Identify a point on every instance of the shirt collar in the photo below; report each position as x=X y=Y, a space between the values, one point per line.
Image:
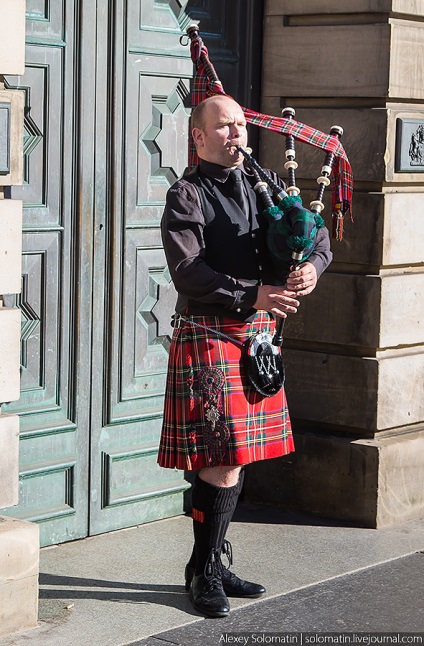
x=217 y=172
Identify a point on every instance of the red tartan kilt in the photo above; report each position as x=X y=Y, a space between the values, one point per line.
x=212 y=416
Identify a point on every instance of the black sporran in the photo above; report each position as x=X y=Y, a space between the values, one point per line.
x=264 y=364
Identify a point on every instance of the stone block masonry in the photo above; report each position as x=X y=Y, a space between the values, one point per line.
x=355 y=351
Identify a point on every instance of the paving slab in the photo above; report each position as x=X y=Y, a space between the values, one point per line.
x=117 y=588
x=383 y=599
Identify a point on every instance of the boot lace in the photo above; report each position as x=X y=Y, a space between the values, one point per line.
x=227 y=550
x=212 y=571
x=226 y=574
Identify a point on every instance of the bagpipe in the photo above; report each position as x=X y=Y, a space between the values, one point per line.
x=206 y=83
x=292 y=228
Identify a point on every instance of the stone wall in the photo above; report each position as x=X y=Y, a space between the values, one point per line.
x=355 y=351
x=19 y=543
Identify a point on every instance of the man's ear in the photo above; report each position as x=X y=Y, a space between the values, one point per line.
x=197 y=135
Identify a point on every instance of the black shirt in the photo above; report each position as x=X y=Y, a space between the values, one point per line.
x=215 y=252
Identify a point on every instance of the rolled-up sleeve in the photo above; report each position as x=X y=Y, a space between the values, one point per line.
x=182 y=235
x=322 y=254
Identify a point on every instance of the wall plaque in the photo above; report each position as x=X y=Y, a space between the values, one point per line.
x=409 y=146
x=4 y=138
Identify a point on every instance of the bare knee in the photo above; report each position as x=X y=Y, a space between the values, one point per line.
x=227 y=476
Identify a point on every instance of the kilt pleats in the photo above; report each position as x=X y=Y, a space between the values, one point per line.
x=212 y=416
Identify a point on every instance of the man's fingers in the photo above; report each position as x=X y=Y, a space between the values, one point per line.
x=288 y=309
x=300 y=272
x=303 y=283
x=306 y=274
x=282 y=296
x=278 y=302
x=279 y=313
x=290 y=302
x=301 y=277
x=305 y=292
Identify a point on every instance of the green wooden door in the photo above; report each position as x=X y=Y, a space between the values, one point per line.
x=144 y=85
x=105 y=133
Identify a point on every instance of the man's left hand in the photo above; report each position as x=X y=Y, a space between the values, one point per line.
x=304 y=280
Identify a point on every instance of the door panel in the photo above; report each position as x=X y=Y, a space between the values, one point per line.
x=133 y=295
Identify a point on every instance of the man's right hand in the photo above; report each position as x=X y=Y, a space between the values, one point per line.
x=277 y=300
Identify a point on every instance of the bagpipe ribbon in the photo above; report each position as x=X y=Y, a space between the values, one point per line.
x=206 y=83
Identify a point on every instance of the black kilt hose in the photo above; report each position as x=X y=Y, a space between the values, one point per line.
x=212 y=416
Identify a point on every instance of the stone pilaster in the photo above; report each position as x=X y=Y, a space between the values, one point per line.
x=355 y=351
x=19 y=541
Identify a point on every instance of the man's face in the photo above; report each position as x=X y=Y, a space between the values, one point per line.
x=224 y=127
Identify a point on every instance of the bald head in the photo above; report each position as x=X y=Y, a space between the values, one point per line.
x=198 y=116
x=218 y=126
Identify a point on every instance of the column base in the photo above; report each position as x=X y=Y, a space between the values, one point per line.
x=374 y=483
x=19 y=558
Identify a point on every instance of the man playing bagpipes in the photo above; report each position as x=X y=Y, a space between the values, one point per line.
x=214 y=420
x=225 y=405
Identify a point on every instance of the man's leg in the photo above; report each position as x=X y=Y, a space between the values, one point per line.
x=214 y=499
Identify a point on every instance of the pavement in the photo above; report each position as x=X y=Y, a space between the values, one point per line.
x=322 y=577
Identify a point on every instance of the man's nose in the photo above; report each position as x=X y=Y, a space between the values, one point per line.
x=235 y=130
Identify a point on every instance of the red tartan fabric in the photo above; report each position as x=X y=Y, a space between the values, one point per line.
x=212 y=416
x=341 y=177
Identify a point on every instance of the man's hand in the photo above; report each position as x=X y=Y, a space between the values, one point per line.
x=302 y=281
x=277 y=300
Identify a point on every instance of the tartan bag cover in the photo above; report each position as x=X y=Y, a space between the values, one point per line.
x=212 y=416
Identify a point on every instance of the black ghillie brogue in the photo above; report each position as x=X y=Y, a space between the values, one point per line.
x=206 y=592
x=232 y=585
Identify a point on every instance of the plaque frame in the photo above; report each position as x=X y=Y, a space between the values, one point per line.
x=409 y=147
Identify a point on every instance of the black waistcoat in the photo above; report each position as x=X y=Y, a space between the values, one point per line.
x=235 y=242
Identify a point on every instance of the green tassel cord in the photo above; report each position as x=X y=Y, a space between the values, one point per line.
x=298 y=243
x=288 y=202
x=273 y=212
x=319 y=221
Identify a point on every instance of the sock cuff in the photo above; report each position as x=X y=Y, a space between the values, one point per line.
x=209 y=497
